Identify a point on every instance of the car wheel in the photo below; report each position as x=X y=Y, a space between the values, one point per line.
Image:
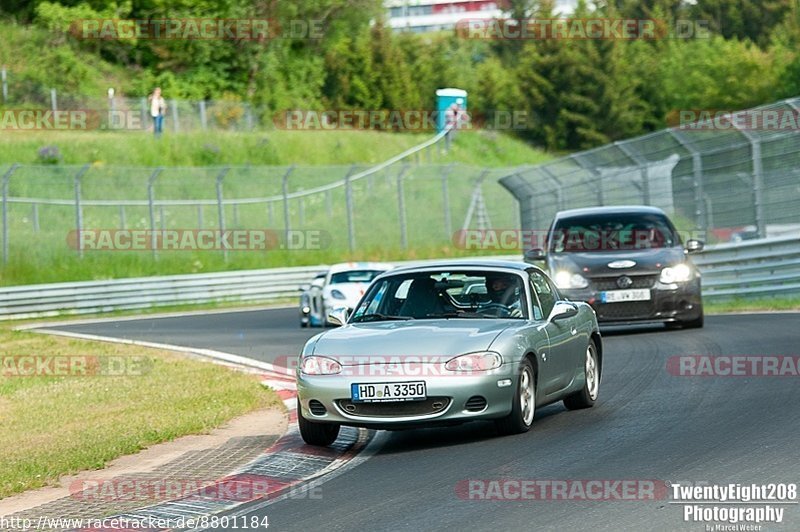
x=591 y=385
x=319 y=434
x=304 y=324
x=523 y=404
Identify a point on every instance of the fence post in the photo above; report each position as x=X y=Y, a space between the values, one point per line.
x=35 y=216
x=78 y=210
x=285 y=190
x=151 y=208
x=203 y=114
x=249 y=117
x=644 y=168
x=143 y=103
x=701 y=210
x=401 y=207
x=176 y=126
x=348 y=199
x=53 y=100
x=221 y=209
x=5 y=84
x=758 y=180
x=448 y=222
x=6 y=179
x=199 y=216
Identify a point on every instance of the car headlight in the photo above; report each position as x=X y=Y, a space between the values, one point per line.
x=680 y=273
x=336 y=294
x=474 y=362
x=316 y=365
x=565 y=279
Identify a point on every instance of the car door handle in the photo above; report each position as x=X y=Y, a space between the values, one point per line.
x=573 y=331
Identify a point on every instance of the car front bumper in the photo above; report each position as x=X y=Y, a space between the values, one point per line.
x=668 y=303
x=446 y=403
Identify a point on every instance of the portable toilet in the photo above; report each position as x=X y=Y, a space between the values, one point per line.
x=444 y=99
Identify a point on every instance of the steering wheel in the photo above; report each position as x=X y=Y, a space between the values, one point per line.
x=497 y=310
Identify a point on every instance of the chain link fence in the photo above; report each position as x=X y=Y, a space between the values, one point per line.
x=131 y=113
x=356 y=210
x=733 y=176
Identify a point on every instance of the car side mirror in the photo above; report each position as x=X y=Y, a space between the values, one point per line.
x=338 y=316
x=535 y=254
x=693 y=246
x=563 y=310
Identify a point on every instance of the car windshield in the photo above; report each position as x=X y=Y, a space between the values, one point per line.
x=354 y=276
x=613 y=232
x=444 y=294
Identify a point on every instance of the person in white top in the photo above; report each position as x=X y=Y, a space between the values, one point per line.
x=158 y=106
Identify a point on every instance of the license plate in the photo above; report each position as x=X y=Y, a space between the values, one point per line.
x=616 y=296
x=388 y=391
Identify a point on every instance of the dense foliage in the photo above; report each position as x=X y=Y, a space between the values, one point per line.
x=579 y=93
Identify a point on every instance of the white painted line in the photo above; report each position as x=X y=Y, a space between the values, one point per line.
x=219 y=356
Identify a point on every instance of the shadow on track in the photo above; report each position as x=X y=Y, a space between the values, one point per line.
x=410 y=440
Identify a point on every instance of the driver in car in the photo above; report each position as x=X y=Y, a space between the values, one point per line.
x=503 y=291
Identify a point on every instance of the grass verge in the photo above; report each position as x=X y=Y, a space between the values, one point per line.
x=59 y=425
x=752 y=305
x=274 y=147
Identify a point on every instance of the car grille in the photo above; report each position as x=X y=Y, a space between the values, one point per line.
x=476 y=403
x=317 y=408
x=431 y=405
x=624 y=310
x=610 y=283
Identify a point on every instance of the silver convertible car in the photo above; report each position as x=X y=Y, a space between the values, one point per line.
x=449 y=343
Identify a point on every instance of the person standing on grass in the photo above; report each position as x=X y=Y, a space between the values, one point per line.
x=158 y=107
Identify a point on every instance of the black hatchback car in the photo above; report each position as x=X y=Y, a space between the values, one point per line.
x=628 y=263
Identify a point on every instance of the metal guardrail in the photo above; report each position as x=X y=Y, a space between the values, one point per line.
x=46 y=300
x=765 y=267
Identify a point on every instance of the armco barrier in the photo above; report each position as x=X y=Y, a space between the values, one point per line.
x=757 y=268
x=43 y=300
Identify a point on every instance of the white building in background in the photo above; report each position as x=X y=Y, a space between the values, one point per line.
x=435 y=15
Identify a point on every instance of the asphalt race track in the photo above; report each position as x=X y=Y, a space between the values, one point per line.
x=648 y=425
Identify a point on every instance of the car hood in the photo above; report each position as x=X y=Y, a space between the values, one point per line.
x=597 y=263
x=430 y=340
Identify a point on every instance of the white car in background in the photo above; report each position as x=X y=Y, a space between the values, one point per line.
x=342 y=286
